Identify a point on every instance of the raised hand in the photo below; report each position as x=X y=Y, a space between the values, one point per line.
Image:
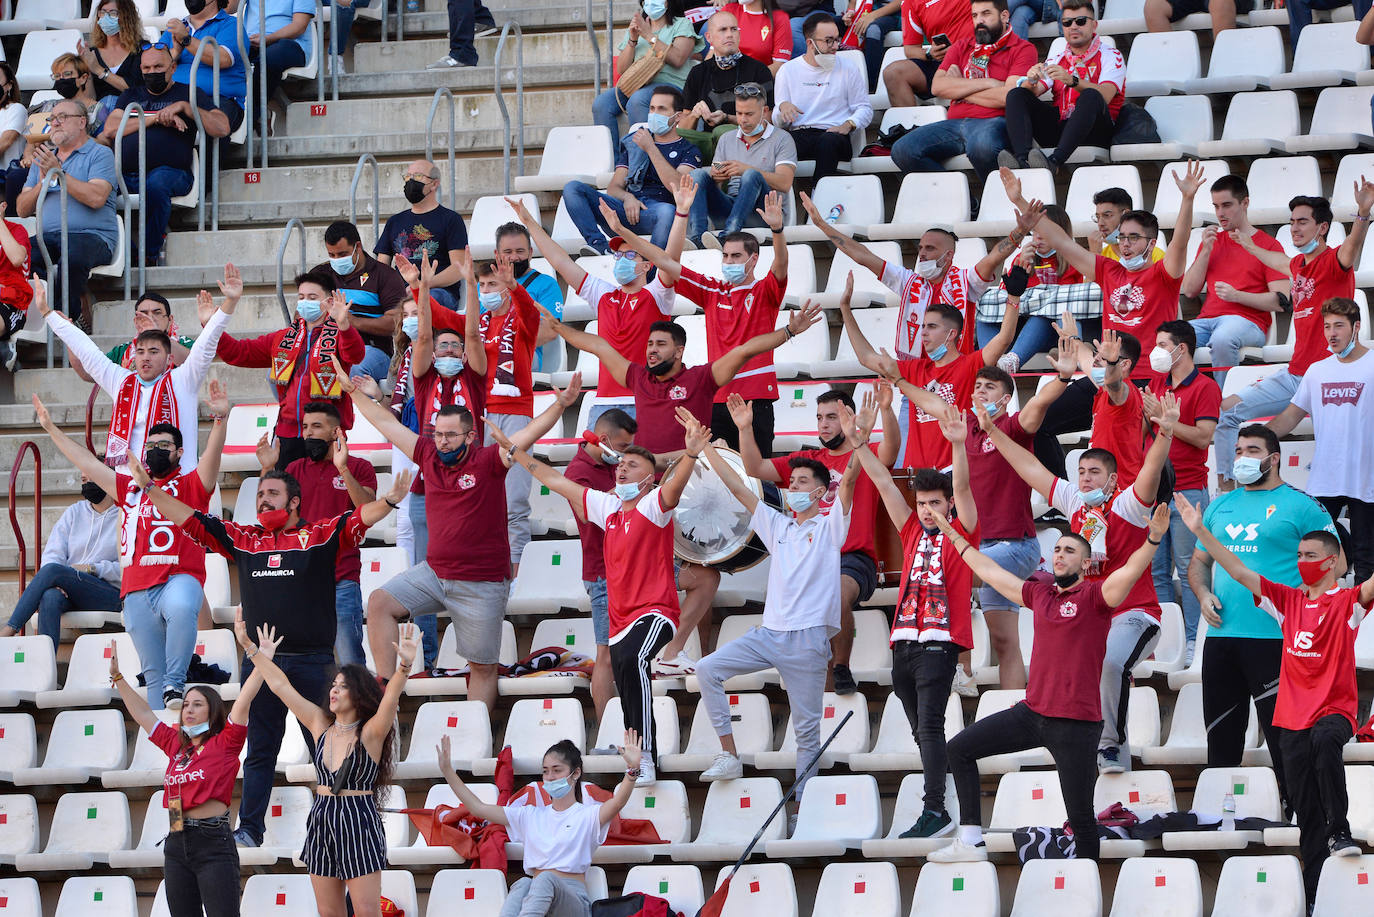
x=1065 y=361
x=633 y=750
x=497 y=435
x=883 y=390
x=40 y=297
x=1159 y=520
x=369 y=387
x=808 y=315
x=232 y=284
x=205 y=308
x=865 y=420
x=218 y=402
x=1109 y=348
x=268 y=634
x=410 y=643
x=340 y=450
x=267 y=452
x=1191 y=180
x=611 y=217
x=1364 y=196
x=984 y=419
x=337 y=307
x=468 y=268
x=847 y=296
x=568 y=396
x=741 y=411
x=888 y=367
x=1026 y=219
x=1011 y=183
x=772 y=211
x=40 y=413
x=444 y=752
x=696 y=436
x=1169 y=413
x=522 y=213
x=348 y=384
x=684 y=192
x=400 y=486
x=241 y=630
x=427 y=267
x=505 y=273
x=1153 y=409
x=409 y=272
x=138 y=472
x=953 y=426
x=114 y=658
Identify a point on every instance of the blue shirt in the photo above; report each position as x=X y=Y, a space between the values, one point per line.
x=233 y=80
x=279 y=14
x=90 y=160
x=1262 y=528
x=643 y=180
x=544 y=290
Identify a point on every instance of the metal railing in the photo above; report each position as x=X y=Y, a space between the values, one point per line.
x=27 y=445
x=519 y=97
x=333 y=56
x=293 y=223
x=132 y=109
x=57 y=281
x=365 y=160
x=596 y=49
x=262 y=82
x=442 y=93
x=207 y=149
x=240 y=36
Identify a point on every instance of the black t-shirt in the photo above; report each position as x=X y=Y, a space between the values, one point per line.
x=436 y=232
x=707 y=82
x=167 y=146
x=371 y=290
x=130 y=70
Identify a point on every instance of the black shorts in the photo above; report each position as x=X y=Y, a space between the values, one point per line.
x=929 y=68
x=1180 y=8
x=11 y=320
x=863 y=570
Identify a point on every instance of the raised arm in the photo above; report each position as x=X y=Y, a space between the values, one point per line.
x=726 y=366
x=986 y=569
x=207 y=468
x=551 y=478
x=483 y=810
x=106 y=373
x=695 y=439
x=1192 y=517
x=1146 y=484
x=1275 y=261
x=375 y=511
x=1349 y=252
x=138 y=708
x=1189 y=183
x=307 y=714
x=172 y=509
x=359 y=495
x=1118 y=585
x=610 y=358
x=1286 y=420
x=558 y=259
x=669 y=269
x=891 y=445
x=249 y=689
x=846 y=243
x=527 y=436
x=633 y=753
x=474 y=348
x=387 y=424
x=955 y=429
x=380 y=724
x=863 y=350
x=732 y=481
x=1022 y=461
x=78 y=455
x=742 y=413
x=1200 y=580
x=1006 y=334
x=990 y=265
x=1065 y=364
x=1063 y=243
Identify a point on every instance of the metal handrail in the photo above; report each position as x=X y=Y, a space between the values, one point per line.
x=135 y=108
x=57 y=288
x=90 y=418
x=333 y=50
x=440 y=93
x=320 y=71
x=610 y=43
x=241 y=37
x=293 y=223
x=207 y=149
x=519 y=96
x=28 y=445
x=262 y=83
x=365 y=160
x=596 y=49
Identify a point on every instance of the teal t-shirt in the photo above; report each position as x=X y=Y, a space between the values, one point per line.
x=1262 y=528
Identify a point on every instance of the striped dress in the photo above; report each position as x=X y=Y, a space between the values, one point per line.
x=344 y=838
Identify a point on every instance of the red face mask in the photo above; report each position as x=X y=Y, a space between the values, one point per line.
x=273 y=519
x=1311 y=570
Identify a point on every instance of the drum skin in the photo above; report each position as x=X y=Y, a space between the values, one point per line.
x=713 y=528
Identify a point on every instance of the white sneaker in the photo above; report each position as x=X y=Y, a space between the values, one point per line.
x=964 y=685
x=959 y=852
x=725 y=767
x=647 y=775
x=681 y=665
x=447 y=62
x=1009 y=362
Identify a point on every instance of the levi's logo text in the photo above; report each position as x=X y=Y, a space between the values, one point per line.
x=1334 y=393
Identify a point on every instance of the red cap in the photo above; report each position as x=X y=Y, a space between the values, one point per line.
x=616 y=243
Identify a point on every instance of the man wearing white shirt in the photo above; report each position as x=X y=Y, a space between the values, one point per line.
x=154 y=391
x=822 y=97
x=802 y=609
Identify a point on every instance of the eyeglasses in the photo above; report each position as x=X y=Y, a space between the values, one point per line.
x=1134 y=237
x=826 y=42
x=1076 y=21
x=58 y=118
x=416 y=176
x=159 y=447
x=749 y=91
x=159 y=45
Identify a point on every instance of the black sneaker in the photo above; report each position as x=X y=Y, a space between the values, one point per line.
x=844 y=680
x=930 y=824
x=1341 y=845
x=171 y=699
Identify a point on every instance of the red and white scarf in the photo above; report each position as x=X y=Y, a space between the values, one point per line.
x=507 y=325
x=1081 y=66
x=458 y=394
x=925 y=610
x=148 y=538
x=162 y=408
x=919 y=294
x=978 y=60
x=324 y=381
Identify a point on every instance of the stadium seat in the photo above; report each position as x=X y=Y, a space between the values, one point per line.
x=1182 y=121
x=246 y=502
x=1256 y=794
x=1257 y=124
x=1122 y=17
x=1345 y=887
x=732 y=627
x=926 y=199
x=854 y=889
x=449 y=659
x=967 y=889
x=907 y=809
x=1087 y=181
x=867 y=288
x=1193 y=672
x=1148 y=886
x=88 y=671
x=584 y=153
x=396 y=827
x=1172 y=649
x=246 y=425
x=20 y=894
x=18 y=744
x=1058 y=888
x=996 y=215
x=550 y=579
x=1327 y=55
x=466 y=893
x=148 y=854
x=81 y=744
x=760 y=888
x=871 y=659
x=1359 y=783
x=895 y=748
x=995 y=701
x=567 y=236
x=567 y=634
x=18 y=827
x=398 y=885
x=468 y=726
x=284 y=831
x=378 y=566
x=1252 y=885
x=420 y=853
x=852 y=739
x=794 y=415
x=860 y=199
x=97 y=896
x=1340 y=121
x=280 y=895
x=1352 y=166
x=85 y=827
x=879 y=98
x=665 y=805
x=25 y=16
x=837 y=813
x=879 y=326
x=680 y=886
x=490 y=212
x=1273 y=182
x=1167 y=196
x=734 y=810
x=1146 y=793
x=801 y=271
x=1161 y=63
x=40 y=47
x=1187 y=740
x=803 y=352
x=752 y=724
x=218 y=647
x=1023 y=799
x=1243 y=60
x=911 y=117
x=549 y=512
x=366 y=442
x=611 y=733
x=537 y=723
x=1142 y=720
x=28 y=667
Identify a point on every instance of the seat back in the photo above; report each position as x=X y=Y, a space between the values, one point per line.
x=40 y=48
x=1262 y=115
x=1182 y=119
x=466 y=893
x=840 y=806
x=870 y=889
x=18 y=741
x=936 y=197
x=879 y=327
x=1274 y=181
x=679 y=885
x=583 y=149
x=1344 y=887
x=20 y=894
x=467 y=723
x=855 y=735
x=491 y=211
x=449 y=657
x=760 y=888
x=1088 y=180
x=1027 y=798
x=97 y=896
x=864 y=281
x=665 y=804
x=536 y=723
x=1260 y=886
x=911 y=803
x=27 y=665
x=735 y=809
x=18 y=825
x=1254 y=789
x=1329 y=46
x=1158 y=885
x=752 y=721
x=967 y=889
x=1168 y=197
x=284 y=823
x=860 y=196
x=280 y=895
x=1339 y=109
x=1062 y=888
x=1146 y=793
x=1167 y=56
x=1036 y=185
x=89 y=823
x=573 y=634
x=155 y=823
x=1256 y=52
x=87 y=738
x=612 y=729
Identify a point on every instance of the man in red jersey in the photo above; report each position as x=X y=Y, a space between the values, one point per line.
x=929 y=28
x=1318 y=697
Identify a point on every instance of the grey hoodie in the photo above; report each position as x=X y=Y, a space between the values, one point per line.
x=84 y=536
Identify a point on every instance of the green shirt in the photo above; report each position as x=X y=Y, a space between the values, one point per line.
x=672 y=76
x=116 y=353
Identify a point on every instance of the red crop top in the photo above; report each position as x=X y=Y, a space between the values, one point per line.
x=206 y=773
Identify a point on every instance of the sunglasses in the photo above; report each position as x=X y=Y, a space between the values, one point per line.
x=1076 y=21
x=159 y=45
x=749 y=91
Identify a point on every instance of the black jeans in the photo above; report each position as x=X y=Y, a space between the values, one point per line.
x=1072 y=744
x=1029 y=119
x=724 y=428
x=1234 y=670
x=85 y=250
x=1313 y=759
x=827 y=148
x=922 y=674
x=309 y=674
x=631 y=656
x=462 y=26
x=202 y=872
x=1359 y=546
x=1071 y=412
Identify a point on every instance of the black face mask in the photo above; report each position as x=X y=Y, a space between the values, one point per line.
x=661 y=369
x=159 y=462
x=833 y=442
x=521 y=268
x=92 y=491
x=65 y=87
x=1065 y=581
x=155 y=82
x=316 y=449
x=414 y=191
x=195 y=6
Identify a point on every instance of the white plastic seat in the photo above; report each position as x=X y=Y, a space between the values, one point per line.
x=148 y=853
x=280 y=895
x=244 y=427
x=18 y=827
x=97 y=896
x=1260 y=886
x=1161 y=63
x=466 y=723
x=879 y=98
x=1257 y=124
x=1182 y=122
x=284 y=826
x=995 y=701
x=680 y=886
x=571 y=153
x=801 y=272
x=760 y=888
x=1088 y=180
x=378 y=566
x=665 y=805
x=1243 y=60
x=1240 y=377
x=611 y=732
x=81 y=744
x=490 y=212
x=910 y=116
x=734 y=810
x=867 y=288
x=1256 y=794
x=550 y=579
x=1172 y=649
x=906 y=810
x=1058 y=888
x=449 y=658
x=246 y=502
x=1274 y=181
x=1167 y=197
x=851 y=740
x=466 y=893
x=966 y=889
x=419 y=852
x=1122 y=16
x=25 y=16
x=1327 y=55
x=924 y=200
x=837 y=813
x=398 y=885
x=85 y=828
x=1023 y=799
x=549 y=512
x=219 y=648
x=802 y=352
x=853 y=889
x=537 y=723
x=21 y=897
x=871 y=658
x=115 y=268
x=366 y=442
x=1340 y=121
x=28 y=667
x=1345 y=887
x=88 y=671
x=879 y=327
x=18 y=744
x=1351 y=167
x=1187 y=739
x=752 y=723
x=895 y=748
x=568 y=634
x=794 y=416
x=41 y=47
x=1142 y=720
x=1148 y=886
x=996 y=215
x=860 y=196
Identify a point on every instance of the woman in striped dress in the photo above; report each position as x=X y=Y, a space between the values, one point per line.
x=345 y=846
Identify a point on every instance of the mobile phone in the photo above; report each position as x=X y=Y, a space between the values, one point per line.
x=941 y=39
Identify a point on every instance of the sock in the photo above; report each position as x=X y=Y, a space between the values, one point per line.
x=971 y=834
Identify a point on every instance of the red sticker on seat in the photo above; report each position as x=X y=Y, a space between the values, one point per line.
x=1133 y=796
x=1362 y=878
x=734 y=699
x=548 y=703
x=1159 y=881
x=376 y=566
x=4 y=818
x=744 y=802
x=859 y=887
x=1037 y=793
x=4 y=902
x=453 y=722
x=276 y=811
x=281 y=899
x=839 y=799
x=1058 y=883
x=107 y=652
x=829 y=713
x=469 y=893
x=200 y=649
x=753 y=888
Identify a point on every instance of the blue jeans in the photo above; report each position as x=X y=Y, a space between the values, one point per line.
x=1226 y=334
x=161 y=620
x=1300 y=13
x=926 y=148
x=342 y=27
x=375 y=363
x=611 y=103
x=1019 y=557
x=601 y=609
x=599 y=409
x=444 y=298
x=428 y=624
x=1264 y=398
x=583 y=203
x=348 y=612
x=85 y=250
x=716 y=206
x=1026 y=13
x=309 y=674
x=873 y=46
x=280 y=57
x=1174 y=553
x=1036 y=335
x=56 y=589
x=164 y=183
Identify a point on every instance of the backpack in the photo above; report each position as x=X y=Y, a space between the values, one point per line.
x=1134 y=125
x=636 y=904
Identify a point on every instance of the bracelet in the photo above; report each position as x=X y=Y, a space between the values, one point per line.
x=680 y=214
x=252 y=654
x=692 y=455
x=1112 y=362
x=403 y=667
x=965 y=548
x=510 y=453
x=390 y=504
x=1152 y=541
x=1363 y=219
x=116 y=678
x=632 y=773
x=1066 y=381
x=1021 y=81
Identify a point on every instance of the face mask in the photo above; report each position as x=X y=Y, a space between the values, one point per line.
x=66 y=87
x=194 y=7
x=658 y=123
x=833 y=442
x=825 y=61
x=734 y=273
x=159 y=462
x=1311 y=571
x=92 y=491
x=609 y=455
x=927 y=270
x=758 y=129
x=939 y=352
x=1136 y=263
x=1099 y=375
x=410 y=326
x=521 y=268
x=661 y=369
x=109 y=25
x=1342 y=354
x=199 y=729
x=1310 y=247
x=799 y=501
x=1111 y=237
x=316 y=449
x=342 y=266
x=1094 y=497
x=655 y=9
x=448 y=367
x=274 y=519
x=309 y=309
x=414 y=191
x=1065 y=581
x=452 y=456
x=1045 y=256
x=628 y=491
x=625 y=270
x=1246 y=469
x=489 y=301
x=1161 y=360
x=728 y=61
x=156 y=83
x=558 y=788
x=992 y=407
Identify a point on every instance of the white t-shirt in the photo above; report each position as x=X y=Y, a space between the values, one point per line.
x=1333 y=393
x=564 y=841
x=825 y=98
x=960 y=288
x=13 y=117
x=804 y=576
x=1092 y=522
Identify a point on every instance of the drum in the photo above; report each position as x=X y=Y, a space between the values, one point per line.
x=712 y=526
x=887 y=540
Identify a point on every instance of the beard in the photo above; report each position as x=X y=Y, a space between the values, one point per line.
x=985 y=35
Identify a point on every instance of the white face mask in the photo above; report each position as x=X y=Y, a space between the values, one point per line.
x=825 y=61
x=1161 y=360
x=928 y=270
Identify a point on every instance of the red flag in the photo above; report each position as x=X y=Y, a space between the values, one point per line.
x=716 y=903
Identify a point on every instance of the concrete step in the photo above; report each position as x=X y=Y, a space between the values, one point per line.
x=63 y=386
x=419 y=81
x=434 y=18
x=51 y=513
x=312 y=149
x=115 y=317
x=390 y=56
x=476 y=110
x=18 y=417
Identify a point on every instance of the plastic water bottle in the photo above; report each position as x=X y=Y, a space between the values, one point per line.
x=412 y=6
x=835 y=213
x=1228 y=813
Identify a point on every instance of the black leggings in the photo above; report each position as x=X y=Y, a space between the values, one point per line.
x=1071 y=743
x=1029 y=119
x=630 y=659
x=202 y=871
x=922 y=674
x=1313 y=758
x=1234 y=670
x=1359 y=543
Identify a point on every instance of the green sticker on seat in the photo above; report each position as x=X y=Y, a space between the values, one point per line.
x=262 y=421
x=98 y=895
x=797 y=395
x=90 y=729
x=959 y=884
x=91 y=812
x=19 y=656
x=543 y=490
x=649 y=802
x=557 y=560
x=663 y=886
x=570 y=640
x=1238 y=788
x=1261 y=877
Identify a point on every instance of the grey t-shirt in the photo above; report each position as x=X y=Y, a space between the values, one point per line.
x=89 y=161
x=765 y=153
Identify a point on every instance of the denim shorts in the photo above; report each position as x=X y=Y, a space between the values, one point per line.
x=601 y=610
x=1019 y=557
